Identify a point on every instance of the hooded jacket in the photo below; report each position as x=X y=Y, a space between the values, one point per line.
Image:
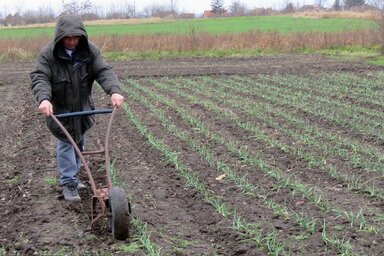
x=67 y=81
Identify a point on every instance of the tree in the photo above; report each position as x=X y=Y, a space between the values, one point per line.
x=351 y=3
x=289 y=8
x=160 y=11
x=76 y=7
x=43 y=14
x=336 y=5
x=379 y=4
x=218 y=6
x=320 y=3
x=237 y=8
x=124 y=10
x=173 y=6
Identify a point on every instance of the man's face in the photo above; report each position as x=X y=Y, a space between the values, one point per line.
x=70 y=42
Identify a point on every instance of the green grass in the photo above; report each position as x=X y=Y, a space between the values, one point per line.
x=179 y=245
x=131 y=248
x=2 y=251
x=216 y=26
x=213 y=53
x=51 y=181
x=232 y=25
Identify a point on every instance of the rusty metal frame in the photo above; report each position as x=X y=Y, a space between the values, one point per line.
x=100 y=195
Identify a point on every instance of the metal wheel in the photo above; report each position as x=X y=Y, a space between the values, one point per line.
x=120 y=213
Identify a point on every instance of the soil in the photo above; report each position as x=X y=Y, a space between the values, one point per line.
x=35 y=220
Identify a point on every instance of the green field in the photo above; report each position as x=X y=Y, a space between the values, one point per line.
x=233 y=25
x=250 y=130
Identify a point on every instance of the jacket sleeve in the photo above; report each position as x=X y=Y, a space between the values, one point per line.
x=104 y=74
x=40 y=80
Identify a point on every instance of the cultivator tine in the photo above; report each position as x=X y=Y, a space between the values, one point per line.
x=101 y=211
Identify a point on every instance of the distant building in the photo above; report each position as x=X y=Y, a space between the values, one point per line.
x=211 y=14
x=14 y=20
x=187 y=15
x=363 y=8
x=262 y=12
x=311 y=8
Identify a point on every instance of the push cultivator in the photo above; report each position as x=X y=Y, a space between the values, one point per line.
x=107 y=201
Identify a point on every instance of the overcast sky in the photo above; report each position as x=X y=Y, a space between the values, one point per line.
x=195 y=6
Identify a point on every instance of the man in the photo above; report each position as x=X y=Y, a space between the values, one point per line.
x=62 y=82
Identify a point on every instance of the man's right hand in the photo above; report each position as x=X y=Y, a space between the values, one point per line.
x=45 y=107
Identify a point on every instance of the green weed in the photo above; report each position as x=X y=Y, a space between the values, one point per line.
x=51 y=181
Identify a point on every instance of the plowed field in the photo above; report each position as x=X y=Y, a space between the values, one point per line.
x=246 y=156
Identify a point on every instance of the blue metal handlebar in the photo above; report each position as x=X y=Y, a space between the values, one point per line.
x=85 y=113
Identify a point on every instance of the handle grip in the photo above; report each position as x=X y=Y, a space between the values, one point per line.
x=85 y=113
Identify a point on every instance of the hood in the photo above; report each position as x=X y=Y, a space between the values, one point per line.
x=70 y=25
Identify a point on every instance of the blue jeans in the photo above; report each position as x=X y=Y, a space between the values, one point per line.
x=68 y=161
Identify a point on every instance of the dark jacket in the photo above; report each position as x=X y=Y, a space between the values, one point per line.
x=67 y=82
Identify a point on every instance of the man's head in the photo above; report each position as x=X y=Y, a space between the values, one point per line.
x=70 y=42
x=70 y=33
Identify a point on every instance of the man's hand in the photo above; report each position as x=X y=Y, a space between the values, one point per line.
x=45 y=107
x=117 y=99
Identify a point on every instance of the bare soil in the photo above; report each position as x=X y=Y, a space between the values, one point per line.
x=35 y=220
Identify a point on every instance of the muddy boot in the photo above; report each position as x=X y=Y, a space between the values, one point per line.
x=81 y=185
x=70 y=193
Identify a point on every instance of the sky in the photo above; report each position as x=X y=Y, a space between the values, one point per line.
x=194 y=6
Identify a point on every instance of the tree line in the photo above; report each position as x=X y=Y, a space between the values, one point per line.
x=126 y=9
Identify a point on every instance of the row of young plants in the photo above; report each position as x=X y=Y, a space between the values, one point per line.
x=313 y=159
x=362 y=89
x=357 y=219
x=348 y=113
x=270 y=142
x=142 y=238
x=347 y=88
x=359 y=213
x=328 y=87
x=328 y=109
x=267 y=242
x=242 y=180
x=358 y=155
x=309 y=224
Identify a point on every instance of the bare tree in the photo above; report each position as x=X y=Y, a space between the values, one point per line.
x=160 y=11
x=134 y=9
x=237 y=8
x=379 y=4
x=289 y=8
x=173 y=6
x=124 y=10
x=146 y=12
x=76 y=7
x=98 y=11
x=18 y=7
x=350 y=3
x=337 y=5
x=43 y=14
x=320 y=3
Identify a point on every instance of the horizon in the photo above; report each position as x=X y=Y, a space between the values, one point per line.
x=197 y=7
